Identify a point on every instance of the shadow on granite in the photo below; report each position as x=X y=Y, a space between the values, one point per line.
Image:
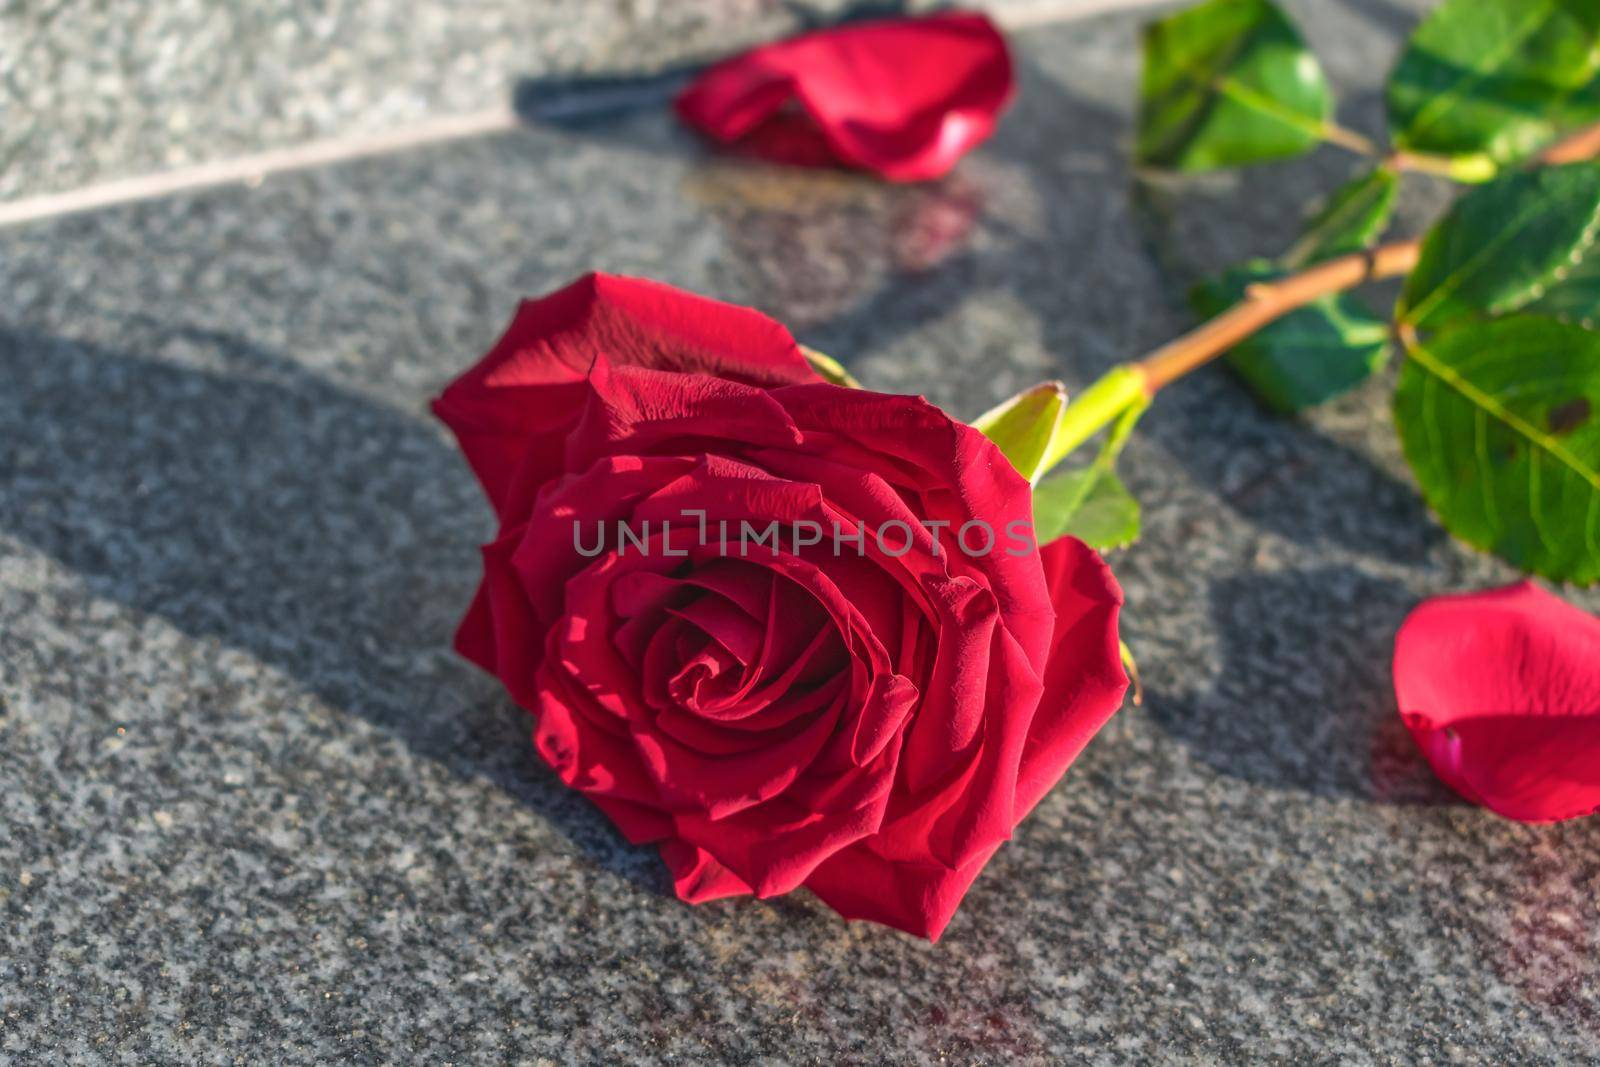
x=181 y=472
x=789 y=229
x=1280 y=711
x=942 y=241
x=584 y=104
x=1258 y=469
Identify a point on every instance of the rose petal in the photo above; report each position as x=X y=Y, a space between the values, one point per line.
x=577 y=512
x=635 y=411
x=726 y=624
x=697 y=877
x=515 y=406
x=904 y=97
x=720 y=786
x=475 y=636
x=641 y=824
x=782 y=719
x=518 y=634
x=972 y=807
x=1501 y=690
x=584 y=642
x=917 y=898
x=775 y=847
x=1084 y=683
x=587 y=756
x=963 y=477
x=1083 y=687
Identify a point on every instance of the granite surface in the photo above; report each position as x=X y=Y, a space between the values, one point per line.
x=252 y=808
x=92 y=90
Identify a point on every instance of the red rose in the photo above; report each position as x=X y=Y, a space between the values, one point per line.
x=869 y=719
x=1501 y=690
x=905 y=98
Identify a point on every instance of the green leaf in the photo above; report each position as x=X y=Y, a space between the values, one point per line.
x=1504 y=246
x=1500 y=421
x=1497 y=78
x=1025 y=427
x=1226 y=83
x=1575 y=296
x=1310 y=355
x=1352 y=219
x=1091 y=504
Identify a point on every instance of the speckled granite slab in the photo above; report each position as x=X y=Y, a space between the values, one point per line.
x=95 y=91
x=252 y=809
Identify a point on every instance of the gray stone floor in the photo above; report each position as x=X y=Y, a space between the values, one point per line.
x=252 y=809
x=92 y=91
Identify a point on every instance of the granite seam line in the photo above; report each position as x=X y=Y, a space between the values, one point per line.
x=254 y=167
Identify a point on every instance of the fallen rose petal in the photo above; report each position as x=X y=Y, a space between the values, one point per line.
x=1501 y=690
x=905 y=98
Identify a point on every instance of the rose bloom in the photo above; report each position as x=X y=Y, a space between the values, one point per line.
x=869 y=724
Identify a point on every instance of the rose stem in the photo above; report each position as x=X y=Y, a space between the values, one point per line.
x=1476 y=168
x=1575 y=147
x=1265 y=302
x=1348 y=139
x=1130 y=384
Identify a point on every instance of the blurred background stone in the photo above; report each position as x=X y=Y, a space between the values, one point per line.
x=92 y=90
